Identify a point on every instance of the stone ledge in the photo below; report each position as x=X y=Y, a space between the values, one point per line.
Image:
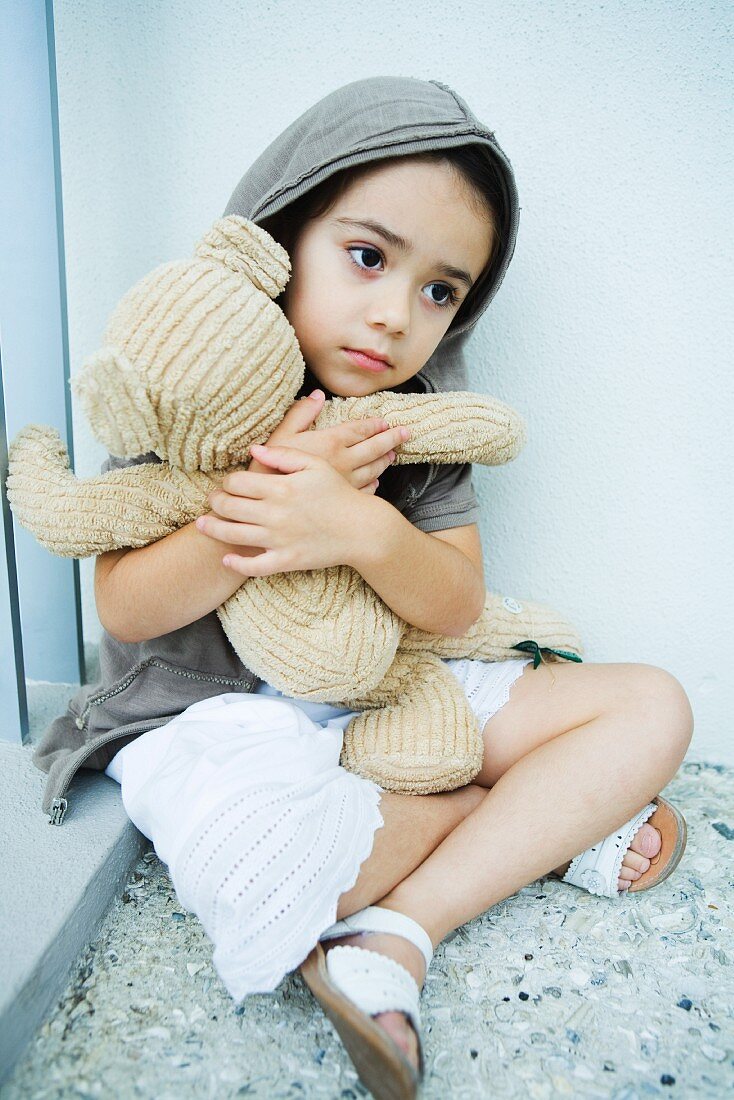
x=58 y=882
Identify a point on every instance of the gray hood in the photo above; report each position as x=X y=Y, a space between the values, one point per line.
x=369 y=120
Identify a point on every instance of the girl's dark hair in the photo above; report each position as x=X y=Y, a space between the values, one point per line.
x=476 y=166
x=472 y=162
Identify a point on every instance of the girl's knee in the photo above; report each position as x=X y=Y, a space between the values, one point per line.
x=667 y=704
x=471 y=796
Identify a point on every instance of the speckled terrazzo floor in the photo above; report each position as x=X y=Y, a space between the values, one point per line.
x=552 y=993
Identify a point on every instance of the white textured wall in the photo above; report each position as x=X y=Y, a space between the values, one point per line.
x=609 y=331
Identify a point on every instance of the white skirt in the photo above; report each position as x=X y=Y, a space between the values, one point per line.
x=260 y=827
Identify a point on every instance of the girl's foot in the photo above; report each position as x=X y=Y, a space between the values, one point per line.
x=644 y=847
x=396 y=1024
x=364 y=985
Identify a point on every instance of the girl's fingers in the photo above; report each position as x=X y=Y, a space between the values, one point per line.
x=230 y=506
x=262 y=565
x=366 y=474
x=378 y=445
x=246 y=483
x=371 y=488
x=353 y=431
x=239 y=534
x=300 y=417
x=288 y=460
x=301 y=414
x=240 y=508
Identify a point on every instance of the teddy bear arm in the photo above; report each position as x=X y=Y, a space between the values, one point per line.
x=445 y=427
x=80 y=517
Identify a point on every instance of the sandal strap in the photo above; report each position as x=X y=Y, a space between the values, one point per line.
x=376 y=919
x=374 y=982
x=597 y=869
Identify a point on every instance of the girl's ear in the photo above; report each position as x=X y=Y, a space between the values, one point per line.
x=247 y=249
x=117 y=403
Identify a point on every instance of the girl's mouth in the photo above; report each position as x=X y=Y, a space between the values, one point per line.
x=366 y=361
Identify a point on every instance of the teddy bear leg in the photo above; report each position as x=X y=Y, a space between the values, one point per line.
x=503 y=624
x=424 y=741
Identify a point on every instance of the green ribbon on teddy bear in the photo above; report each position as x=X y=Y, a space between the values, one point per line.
x=537 y=652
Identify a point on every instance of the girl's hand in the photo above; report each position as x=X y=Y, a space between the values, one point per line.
x=360 y=450
x=310 y=518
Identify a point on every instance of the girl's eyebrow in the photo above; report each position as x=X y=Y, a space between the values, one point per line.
x=404 y=245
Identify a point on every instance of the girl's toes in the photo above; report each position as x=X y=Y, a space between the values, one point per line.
x=627 y=875
x=635 y=862
x=400 y=1030
x=646 y=841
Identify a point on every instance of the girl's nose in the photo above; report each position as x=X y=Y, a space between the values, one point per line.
x=390 y=308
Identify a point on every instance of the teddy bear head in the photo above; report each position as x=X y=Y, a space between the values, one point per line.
x=198 y=361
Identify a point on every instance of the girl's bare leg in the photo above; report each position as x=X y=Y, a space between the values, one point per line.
x=413 y=827
x=576 y=751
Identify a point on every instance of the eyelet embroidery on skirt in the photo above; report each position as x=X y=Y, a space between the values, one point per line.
x=262 y=829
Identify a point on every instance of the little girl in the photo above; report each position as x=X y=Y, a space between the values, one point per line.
x=399 y=211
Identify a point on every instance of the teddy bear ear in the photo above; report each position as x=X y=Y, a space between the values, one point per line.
x=117 y=404
x=247 y=249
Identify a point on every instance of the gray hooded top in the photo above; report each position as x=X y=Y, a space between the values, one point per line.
x=145 y=684
x=358 y=124
x=368 y=120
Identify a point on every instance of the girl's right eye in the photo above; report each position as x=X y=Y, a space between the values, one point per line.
x=364 y=248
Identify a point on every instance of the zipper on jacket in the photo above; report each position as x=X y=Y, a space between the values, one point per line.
x=59 y=805
x=97 y=700
x=58 y=809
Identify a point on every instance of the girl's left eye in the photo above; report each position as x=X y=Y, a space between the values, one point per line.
x=450 y=299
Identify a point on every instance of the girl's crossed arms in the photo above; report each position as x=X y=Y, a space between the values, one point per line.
x=323 y=512
x=433 y=581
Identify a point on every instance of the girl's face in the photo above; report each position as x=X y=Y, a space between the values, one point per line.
x=390 y=285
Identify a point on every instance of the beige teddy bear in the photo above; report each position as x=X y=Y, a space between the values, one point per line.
x=198 y=364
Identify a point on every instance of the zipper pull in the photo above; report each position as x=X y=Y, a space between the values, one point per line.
x=80 y=723
x=58 y=810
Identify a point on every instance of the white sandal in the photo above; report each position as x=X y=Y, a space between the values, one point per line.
x=597 y=869
x=353 y=984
